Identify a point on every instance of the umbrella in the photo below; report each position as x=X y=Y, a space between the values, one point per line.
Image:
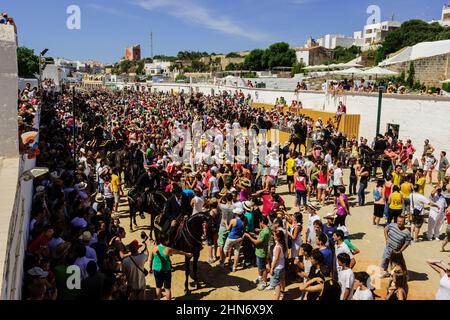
x=29 y=136
x=351 y=71
x=378 y=71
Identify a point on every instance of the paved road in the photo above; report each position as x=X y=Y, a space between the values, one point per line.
x=219 y=283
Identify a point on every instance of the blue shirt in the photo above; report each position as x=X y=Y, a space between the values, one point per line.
x=327 y=257
x=329 y=233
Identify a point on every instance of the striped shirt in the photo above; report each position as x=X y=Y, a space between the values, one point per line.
x=397 y=238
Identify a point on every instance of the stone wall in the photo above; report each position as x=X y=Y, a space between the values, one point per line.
x=9 y=146
x=429 y=71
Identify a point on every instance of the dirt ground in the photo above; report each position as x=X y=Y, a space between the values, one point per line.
x=220 y=284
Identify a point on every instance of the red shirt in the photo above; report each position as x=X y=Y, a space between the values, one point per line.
x=448 y=217
x=37 y=243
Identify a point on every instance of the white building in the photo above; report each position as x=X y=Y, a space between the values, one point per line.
x=331 y=41
x=445 y=18
x=374 y=34
x=157 y=67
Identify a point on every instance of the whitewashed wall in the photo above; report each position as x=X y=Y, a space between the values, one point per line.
x=419 y=117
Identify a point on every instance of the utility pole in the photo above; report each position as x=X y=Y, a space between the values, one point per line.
x=380 y=98
x=151 y=45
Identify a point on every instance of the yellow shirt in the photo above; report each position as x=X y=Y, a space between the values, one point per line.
x=396 y=178
x=115 y=183
x=405 y=189
x=396 y=202
x=421 y=183
x=290 y=163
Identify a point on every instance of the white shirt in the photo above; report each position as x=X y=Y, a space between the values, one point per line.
x=328 y=159
x=347 y=281
x=310 y=233
x=198 y=205
x=342 y=248
x=442 y=204
x=443 y=292
x=337 y=176
x=418 y=201
x=135 y=277
x=362 y=294
x=299 y=162
x=215 y=184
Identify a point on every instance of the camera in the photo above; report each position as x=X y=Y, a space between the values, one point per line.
x=144 y=236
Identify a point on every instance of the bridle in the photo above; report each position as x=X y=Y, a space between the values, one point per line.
x=186 y=233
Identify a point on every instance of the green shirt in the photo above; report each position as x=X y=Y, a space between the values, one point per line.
x=349 y=245
x=250 y=226
x=263 y=248
x=161 y=261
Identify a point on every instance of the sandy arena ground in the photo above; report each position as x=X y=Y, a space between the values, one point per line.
x=220 y=284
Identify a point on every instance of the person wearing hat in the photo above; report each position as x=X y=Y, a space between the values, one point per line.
x=328 y=228
x=312 y=217
x=134 y=270
x=85 y=239
x=235 y=236
x=244 y=185
x=249 y=253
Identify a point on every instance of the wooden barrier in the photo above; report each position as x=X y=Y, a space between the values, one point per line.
x=349 y=123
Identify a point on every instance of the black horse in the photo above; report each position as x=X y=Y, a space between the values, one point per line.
x=188 y=238
x=152 y=203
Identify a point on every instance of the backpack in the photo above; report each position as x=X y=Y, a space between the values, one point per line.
x=376 y=194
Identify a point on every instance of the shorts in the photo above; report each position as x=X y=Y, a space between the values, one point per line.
x=417 y=220
x=234 y=244
x=223 y=235
x=277 y=275
x=163 y=278
x=441 y=175
x=378 y=210
x=290 y=179
x=116 y=197
x=261 y=263
x=406 y=205
x=322 y=186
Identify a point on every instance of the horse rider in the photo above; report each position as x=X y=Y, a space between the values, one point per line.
x=146 y=183
x=172 y=211
x=136 y=163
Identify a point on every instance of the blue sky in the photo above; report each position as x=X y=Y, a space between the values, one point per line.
x=108 y=26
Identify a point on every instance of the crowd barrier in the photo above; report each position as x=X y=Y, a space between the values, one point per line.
x=349 y=123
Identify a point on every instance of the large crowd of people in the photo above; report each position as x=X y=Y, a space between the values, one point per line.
x=127 y=142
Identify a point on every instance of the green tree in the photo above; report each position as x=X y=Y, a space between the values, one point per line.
x=343 y=55
x=411 y=74
x=234 y=67
x=125 y=66
x=180 y=76
x=410 y=33
x=140 y=67
x=279 y=55
x=28 y=62
x=232 y=55
x=253 y=61
x=297 y=67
